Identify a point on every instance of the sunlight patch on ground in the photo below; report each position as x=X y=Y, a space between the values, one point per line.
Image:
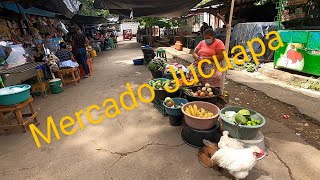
x=128 y=61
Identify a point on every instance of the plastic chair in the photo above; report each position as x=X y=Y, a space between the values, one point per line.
x=162 y=54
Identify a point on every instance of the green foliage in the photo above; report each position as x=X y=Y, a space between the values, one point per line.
x=89 y=10
x=250 y=67
x=203 y=2
x=313 y=84
x=263 y=2
x=161 y=22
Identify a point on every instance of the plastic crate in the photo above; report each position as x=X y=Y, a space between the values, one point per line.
x=158 y=104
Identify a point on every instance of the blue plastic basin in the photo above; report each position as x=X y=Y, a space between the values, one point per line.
x=175 y=111
x=14 y=94
x=138 y=61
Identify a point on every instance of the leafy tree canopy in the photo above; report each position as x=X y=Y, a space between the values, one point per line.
x=89 y=10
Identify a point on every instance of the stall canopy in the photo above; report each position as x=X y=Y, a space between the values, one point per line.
x=67 y=8
x=19 y=9
x=79 y=19
x=142 y=8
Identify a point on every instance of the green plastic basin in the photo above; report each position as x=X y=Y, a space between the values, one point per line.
x=241 y=132
x=14 y=94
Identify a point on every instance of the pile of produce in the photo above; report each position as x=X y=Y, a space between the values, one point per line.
x=159 y=85
x=243 y=117
x=201 y=113
x=157 y=65
x=205 y=91
x=188 y=79
x=176 y=67
x=250 y=67
x=170 y=103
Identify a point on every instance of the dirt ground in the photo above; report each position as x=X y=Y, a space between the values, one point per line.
x=140 y=144
x=273 y=110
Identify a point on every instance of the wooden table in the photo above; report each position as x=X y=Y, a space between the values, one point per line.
x=23 y=120
x=189 y=37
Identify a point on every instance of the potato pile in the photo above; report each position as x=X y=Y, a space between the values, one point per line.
x=201 y=113
x=205 y=91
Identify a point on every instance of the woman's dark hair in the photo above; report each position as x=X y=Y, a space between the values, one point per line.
x=209 y=32
x=63 y=45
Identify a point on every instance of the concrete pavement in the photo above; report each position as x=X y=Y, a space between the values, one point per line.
x=138 y=144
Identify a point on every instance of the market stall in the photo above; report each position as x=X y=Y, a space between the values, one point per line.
x=35 y=36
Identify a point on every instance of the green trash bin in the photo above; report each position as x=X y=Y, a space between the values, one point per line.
x=56 y=86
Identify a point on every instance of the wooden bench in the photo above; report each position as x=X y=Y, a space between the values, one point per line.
x=23 y=120
x=73 y=73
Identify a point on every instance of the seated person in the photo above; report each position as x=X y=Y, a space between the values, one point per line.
x=114 y=38
x=96 y=46
x=66 y=58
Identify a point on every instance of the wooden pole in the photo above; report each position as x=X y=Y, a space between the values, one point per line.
x=210 y=16
x=227 y=46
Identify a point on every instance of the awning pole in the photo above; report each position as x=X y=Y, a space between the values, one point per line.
x=227 y=46
x=210 y=16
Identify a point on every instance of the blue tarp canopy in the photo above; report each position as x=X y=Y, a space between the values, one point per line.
x=34 y=11
x=67 y=8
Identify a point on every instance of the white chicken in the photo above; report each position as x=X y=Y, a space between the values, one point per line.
x=226 y=141
x=237 y=161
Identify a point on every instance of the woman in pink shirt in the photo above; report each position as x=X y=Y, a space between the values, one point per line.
x=206 y=49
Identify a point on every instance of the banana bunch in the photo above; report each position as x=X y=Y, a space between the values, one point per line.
x=201 y=113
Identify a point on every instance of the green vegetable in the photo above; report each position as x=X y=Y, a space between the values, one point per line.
x=167 y=99
x=156 y=65
x=240 y=119
x=250 y=67
x=244 y=112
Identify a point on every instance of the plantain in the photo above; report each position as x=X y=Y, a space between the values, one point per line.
x=195 y=108
x=205 y=115
x=202 y=112
x=188 y=111
x=191 y=110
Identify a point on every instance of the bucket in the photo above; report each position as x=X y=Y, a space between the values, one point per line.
x=176 y=120
x=56 y=86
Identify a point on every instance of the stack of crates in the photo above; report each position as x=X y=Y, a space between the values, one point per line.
x=158 y=104
x=40 y=86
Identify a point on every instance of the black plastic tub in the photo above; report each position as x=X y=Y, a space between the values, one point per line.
x=212 y=100
x=194 y=137
x=176 y=120
x=156 y=74
x=162 y=94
